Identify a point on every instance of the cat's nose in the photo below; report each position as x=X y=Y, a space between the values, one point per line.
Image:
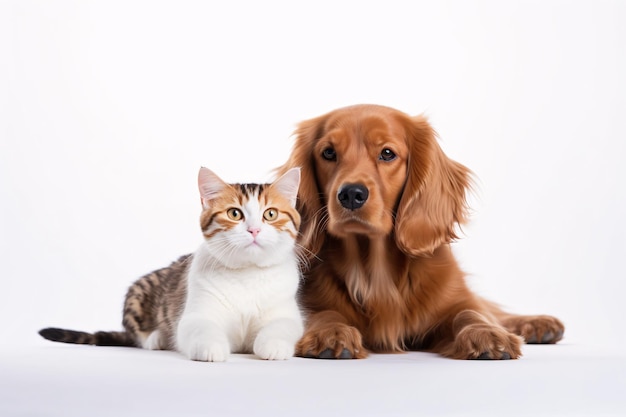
x=254 y=231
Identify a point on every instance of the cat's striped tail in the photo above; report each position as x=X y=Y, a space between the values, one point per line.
x=83 y=338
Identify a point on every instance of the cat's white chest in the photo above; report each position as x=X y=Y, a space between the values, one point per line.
x=248 y=291
x=240 y=302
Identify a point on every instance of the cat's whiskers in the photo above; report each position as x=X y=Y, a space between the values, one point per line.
x=304 y=255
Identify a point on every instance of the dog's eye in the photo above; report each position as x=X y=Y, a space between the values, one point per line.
x=329 y=154
x=387 y=155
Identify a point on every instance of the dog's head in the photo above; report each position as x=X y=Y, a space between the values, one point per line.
x=374 y=171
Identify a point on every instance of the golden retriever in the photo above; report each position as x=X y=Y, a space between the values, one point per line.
x=380 y=204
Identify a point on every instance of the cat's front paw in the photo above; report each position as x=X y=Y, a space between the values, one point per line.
x=202 y=340
x=273 y=349
x=207 y=351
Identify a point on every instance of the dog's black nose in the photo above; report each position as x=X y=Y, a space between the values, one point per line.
x=353 y=196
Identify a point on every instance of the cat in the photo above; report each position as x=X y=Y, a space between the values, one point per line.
x=235 y=294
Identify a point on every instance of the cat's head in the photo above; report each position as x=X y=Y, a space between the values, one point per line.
x=249 y=224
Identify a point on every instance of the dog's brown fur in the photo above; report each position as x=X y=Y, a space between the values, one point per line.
x=382 y=276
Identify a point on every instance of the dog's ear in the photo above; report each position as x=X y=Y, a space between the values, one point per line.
x=310 y=203
x=433 y=203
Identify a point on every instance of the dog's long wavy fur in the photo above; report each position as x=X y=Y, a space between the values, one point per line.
x=382 y=277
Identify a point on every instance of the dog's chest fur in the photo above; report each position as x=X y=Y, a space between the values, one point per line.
x=387 y=290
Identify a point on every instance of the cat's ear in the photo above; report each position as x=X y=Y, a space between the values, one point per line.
x=288 y=184
x=210 y=186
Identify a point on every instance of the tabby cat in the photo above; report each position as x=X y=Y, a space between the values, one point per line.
x=235 y=294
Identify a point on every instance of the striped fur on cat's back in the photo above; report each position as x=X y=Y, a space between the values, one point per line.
x=146 y=308
x=236 y=293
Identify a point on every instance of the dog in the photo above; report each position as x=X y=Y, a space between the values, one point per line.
x=380 y=204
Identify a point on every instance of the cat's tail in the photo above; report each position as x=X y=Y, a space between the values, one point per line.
x=83 y=338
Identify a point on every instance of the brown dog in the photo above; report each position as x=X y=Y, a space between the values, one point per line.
x=380 y=202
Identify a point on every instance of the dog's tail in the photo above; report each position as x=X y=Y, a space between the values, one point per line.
x=84 y=338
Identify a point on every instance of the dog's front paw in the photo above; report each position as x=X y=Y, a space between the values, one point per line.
x=536 y=329
x=486 y=341
x=332 y=341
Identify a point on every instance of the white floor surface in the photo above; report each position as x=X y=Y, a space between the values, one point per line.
x=50 y=379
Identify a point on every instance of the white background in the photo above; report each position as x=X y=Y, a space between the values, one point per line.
x=108 y=109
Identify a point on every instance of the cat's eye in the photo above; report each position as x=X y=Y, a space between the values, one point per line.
x=329 y=154
x=234 y=214
x=270 y=214
x=387 y=155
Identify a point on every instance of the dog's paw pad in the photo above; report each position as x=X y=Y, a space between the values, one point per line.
x=330 y=354
x=487 y=356
x=548 y=337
